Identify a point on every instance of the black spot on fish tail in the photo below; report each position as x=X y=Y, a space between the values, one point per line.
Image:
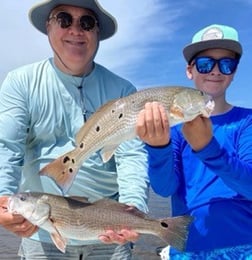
x=165 y=225
x=120 y=116
x=73 y=161
x=66 y=159
x=97 y=129
x=81 y=146
x=174 y=231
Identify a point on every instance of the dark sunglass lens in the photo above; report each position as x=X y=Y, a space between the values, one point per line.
x=227 y=66
x=64 y=19
x=204 y=64
x=87 y=22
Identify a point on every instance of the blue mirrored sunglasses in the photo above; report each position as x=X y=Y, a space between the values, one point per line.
x=204 y=65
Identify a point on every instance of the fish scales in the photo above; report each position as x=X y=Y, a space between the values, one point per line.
x=68 y=218
x=115 y=122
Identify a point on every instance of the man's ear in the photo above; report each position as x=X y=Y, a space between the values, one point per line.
x=47 y=27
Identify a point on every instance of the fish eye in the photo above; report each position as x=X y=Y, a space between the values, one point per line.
x=23 y=198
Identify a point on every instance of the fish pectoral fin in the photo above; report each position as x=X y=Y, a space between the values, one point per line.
x=107 y=153
x=176 y=112
x=59 y=241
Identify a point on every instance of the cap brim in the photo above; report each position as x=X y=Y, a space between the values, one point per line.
x=193 y=49
x=38 y=15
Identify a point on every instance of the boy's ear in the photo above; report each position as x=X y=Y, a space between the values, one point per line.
x=189 y=71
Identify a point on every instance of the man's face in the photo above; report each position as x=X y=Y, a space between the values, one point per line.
x=74 y=47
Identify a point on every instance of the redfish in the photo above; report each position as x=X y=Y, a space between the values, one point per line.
x=115 y=122
x=72 y=218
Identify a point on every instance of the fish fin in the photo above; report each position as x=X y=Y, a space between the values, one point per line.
x=116 y=206
x=107 y=153
x=59 y=241
x=176 y=112
x=80 y=199
x=174 y=231
x=62 y=170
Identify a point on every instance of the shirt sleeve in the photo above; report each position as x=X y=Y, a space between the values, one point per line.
x=133 y=181
x=235 y=169
x=161 y=171
x=13 y=132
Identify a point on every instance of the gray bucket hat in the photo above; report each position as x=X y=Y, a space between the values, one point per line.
x=213 y=37
x=39 y=14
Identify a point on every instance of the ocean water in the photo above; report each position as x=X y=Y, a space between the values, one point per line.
x=145 y=248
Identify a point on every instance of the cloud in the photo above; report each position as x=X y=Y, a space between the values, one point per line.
x=20 y=42
x=142 y=26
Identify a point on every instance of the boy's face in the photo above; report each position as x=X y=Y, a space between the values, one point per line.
x=213 y=83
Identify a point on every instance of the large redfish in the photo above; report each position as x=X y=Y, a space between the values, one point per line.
x=70 y=218
x=115 y=122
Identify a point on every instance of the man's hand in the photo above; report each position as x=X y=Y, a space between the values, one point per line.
x=122 y=237
x=198 y=132
x=13 y=222
x=153 y=125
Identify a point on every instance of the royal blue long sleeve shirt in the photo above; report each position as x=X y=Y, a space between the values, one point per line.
x=214 y=185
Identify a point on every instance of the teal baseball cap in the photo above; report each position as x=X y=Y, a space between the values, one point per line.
x=214 y=36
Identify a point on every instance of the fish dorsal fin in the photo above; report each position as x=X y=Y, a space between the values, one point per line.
x=116 y=206
x=80 y=199
x=76 y=202
x=92 y=120
x=59 y=241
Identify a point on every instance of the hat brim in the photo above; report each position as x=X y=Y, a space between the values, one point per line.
x=193 y=49
x=39 y=14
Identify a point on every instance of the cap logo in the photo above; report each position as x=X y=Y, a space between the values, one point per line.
x=212 y=34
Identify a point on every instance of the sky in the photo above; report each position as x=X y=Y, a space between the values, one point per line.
x=147 y=48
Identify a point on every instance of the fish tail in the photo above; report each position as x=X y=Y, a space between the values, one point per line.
x=174 y=231
x=62 y=170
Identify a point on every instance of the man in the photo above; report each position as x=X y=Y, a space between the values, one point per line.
x=206 y=165
x=42 y=107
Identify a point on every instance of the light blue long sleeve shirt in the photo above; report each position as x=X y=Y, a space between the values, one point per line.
x=41 y=111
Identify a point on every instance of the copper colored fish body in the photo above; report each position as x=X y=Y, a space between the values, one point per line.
x=71 y=218
x=115 y=122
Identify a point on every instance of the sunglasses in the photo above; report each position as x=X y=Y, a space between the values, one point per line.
x=65 y=20
x=227 y=66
